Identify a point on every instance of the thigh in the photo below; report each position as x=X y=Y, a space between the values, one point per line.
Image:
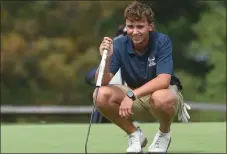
x=108 y=94
x=117 y=94
x=141 y=107
x=172 y=93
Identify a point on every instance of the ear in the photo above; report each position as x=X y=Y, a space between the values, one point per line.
x=151 y=27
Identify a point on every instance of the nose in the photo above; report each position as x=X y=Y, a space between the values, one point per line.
x=135 y=31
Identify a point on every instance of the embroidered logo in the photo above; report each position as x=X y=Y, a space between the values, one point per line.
x=151 y=62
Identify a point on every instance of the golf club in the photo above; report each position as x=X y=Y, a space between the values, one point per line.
x=98 y=84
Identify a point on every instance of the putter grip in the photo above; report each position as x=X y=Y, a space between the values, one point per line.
x=101 y=68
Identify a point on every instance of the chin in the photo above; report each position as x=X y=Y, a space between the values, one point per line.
x=137 y=41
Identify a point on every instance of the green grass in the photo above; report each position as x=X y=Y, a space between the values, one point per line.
x=107 y=138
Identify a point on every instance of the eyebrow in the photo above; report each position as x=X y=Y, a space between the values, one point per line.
x=130 y=24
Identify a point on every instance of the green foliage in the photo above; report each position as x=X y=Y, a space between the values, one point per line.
x=48 y=47
x=211 y=40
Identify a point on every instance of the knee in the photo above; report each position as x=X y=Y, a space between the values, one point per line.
x=163 y=100
x=102 y=97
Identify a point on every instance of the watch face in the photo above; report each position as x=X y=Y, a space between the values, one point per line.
x=130 y=93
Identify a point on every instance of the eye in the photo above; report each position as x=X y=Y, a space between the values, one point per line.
x=129 y=26
x=140 y=26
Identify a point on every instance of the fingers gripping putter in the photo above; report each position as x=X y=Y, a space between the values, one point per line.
x=98 y=84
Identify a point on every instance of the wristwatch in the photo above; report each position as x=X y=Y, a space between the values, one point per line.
x=131 y=95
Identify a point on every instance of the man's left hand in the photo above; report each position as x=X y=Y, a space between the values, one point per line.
x=125 y=109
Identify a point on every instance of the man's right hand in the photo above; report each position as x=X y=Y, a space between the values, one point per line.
x=107 y=44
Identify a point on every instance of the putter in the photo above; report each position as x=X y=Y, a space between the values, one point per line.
x=98 y=84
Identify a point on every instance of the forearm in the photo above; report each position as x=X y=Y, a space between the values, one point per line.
x=106 y=76
x=160 y=82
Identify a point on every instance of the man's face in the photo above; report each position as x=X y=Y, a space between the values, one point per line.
x=138 y=31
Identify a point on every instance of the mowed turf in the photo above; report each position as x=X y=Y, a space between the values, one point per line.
x=107 y=138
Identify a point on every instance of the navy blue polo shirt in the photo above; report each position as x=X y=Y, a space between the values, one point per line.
x=139 y=69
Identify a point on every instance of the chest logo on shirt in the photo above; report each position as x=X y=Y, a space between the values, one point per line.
x=151 y=62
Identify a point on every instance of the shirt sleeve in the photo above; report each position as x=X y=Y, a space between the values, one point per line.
x=115 y=61
x=164 y=57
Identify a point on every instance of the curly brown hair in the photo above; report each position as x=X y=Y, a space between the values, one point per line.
x=138 y=11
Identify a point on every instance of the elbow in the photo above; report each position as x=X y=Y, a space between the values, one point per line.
x=165 y=78
x=105 y=83
x=166 y=84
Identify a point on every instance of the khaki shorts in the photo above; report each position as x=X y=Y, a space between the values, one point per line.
x=142 y=108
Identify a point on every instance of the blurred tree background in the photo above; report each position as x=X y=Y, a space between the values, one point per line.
x=47 y=47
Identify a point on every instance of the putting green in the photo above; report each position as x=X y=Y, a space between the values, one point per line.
x=107 y=138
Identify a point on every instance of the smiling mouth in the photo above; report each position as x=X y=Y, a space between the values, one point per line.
x=136 y=38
